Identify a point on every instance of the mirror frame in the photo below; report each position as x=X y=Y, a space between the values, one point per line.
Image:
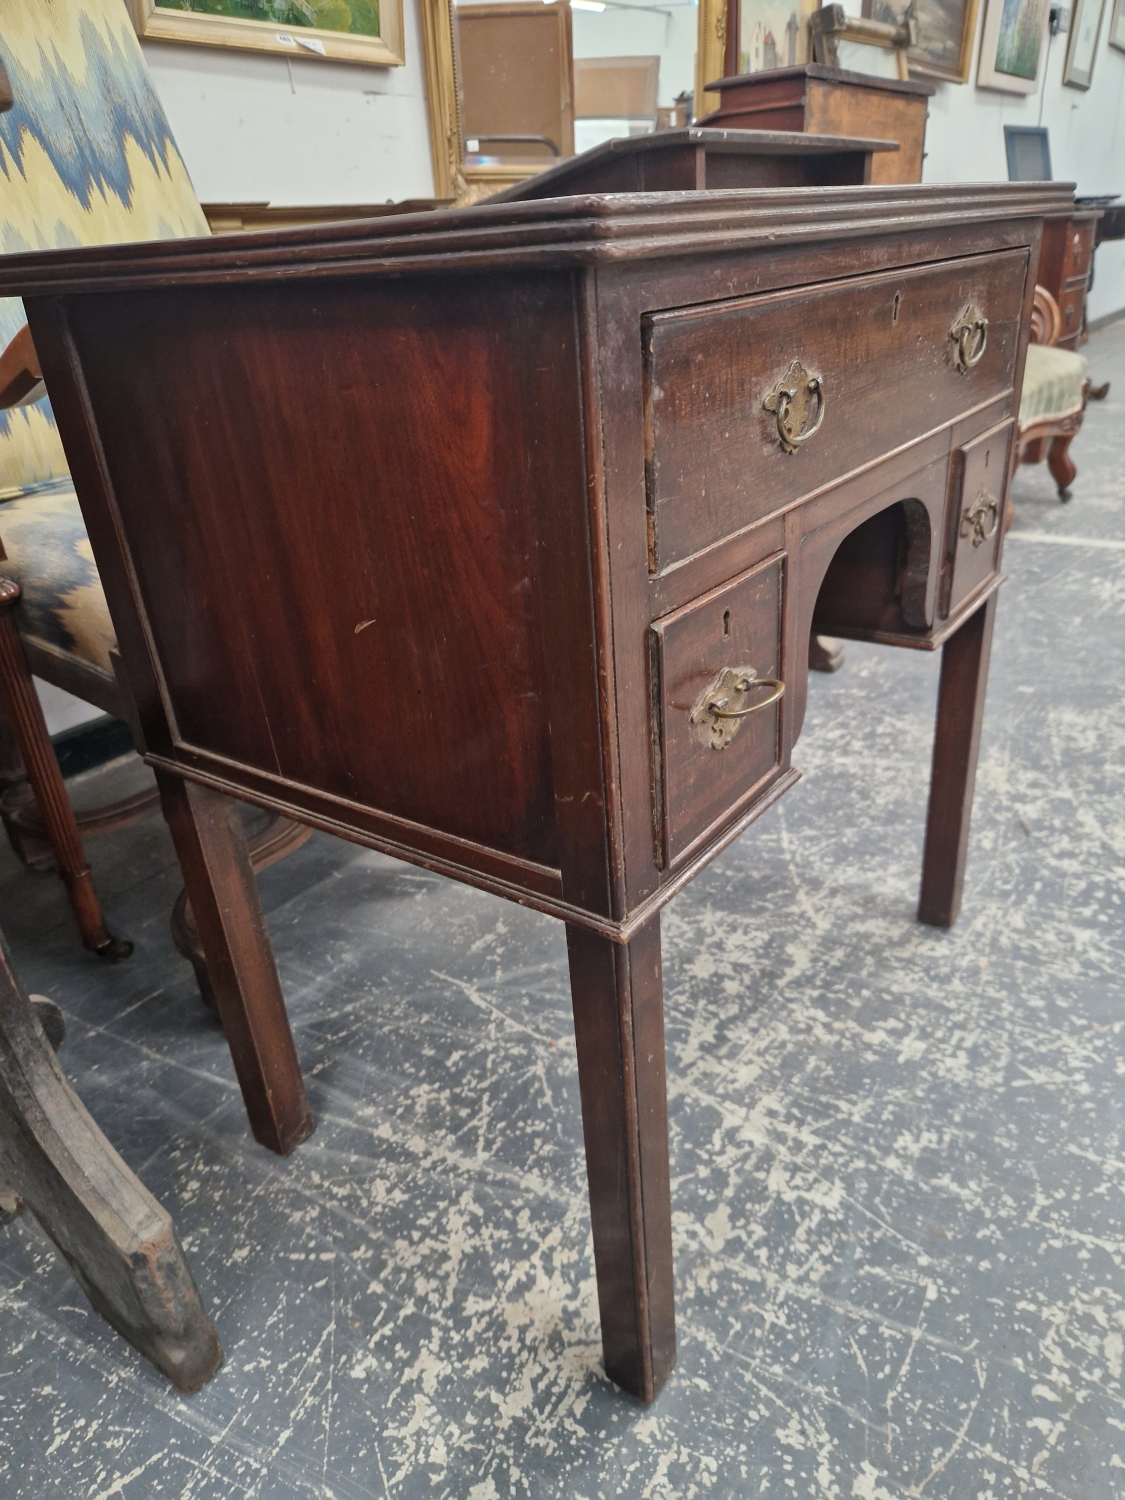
x=468 y=184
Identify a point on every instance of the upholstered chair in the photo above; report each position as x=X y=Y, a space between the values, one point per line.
x=1053 y=397
x=86 y=157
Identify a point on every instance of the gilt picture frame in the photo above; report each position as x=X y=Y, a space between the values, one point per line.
x=946 y=30
x=1012 y=46
x=361 y=31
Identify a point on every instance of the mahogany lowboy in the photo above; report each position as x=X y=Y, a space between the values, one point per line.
x=494 y=540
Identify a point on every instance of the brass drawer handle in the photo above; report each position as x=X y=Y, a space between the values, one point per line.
x=981 y=519
x=713 y=710
x=970 y=334
x=789 y=402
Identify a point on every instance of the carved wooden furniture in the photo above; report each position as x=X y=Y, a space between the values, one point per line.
x=531 y=508
x=830 y=101
x=694 y=159
x=1064 y=269
x=120 y=1244
x=1053 y=397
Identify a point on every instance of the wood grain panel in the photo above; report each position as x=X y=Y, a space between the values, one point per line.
x=343 y=477
x=714 y=461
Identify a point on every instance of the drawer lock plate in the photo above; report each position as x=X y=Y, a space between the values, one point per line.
x=789 y=402
x=733 y=696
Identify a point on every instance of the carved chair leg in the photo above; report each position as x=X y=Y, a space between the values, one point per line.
x=118 y=1241
x=30 y=729
x=1062 y=466
x=960 y=713
x=207 y=832
x=618 y=1000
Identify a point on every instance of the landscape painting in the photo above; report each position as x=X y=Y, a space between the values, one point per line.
x=946 y=31
x=1011 y=50
x=368 y=31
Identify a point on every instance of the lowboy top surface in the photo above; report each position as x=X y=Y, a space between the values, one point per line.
x=580 y=229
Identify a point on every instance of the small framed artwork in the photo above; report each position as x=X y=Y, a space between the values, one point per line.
x=1029 y=153
x=1011 y=46
x=365 y=31
x=1085 y=27
x=946 y=31
x=1117 y=26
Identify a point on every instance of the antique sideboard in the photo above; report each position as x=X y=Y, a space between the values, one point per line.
x=494 y=540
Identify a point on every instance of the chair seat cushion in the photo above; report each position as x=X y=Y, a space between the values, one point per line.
x=50 y=557
x=1052 y=383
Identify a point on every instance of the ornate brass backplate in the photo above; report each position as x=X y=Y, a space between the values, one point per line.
x=981 y=519
x=970 y=338
x=789 y=403
x=718 y=713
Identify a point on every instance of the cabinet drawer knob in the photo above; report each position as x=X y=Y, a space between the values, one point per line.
x=714 y=709
x=981 y=519
x=970 y=334
x=789 y=402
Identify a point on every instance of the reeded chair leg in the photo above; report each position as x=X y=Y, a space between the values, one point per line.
x=30 y=730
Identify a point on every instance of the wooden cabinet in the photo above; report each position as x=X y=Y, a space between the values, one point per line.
x=832 y=101
x=492 y=540
x=1064 y=269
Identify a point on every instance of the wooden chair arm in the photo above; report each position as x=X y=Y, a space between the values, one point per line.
x=21 y=379
x=1046 y=319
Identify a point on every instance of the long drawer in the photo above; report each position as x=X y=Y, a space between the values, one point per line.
x=752 y=404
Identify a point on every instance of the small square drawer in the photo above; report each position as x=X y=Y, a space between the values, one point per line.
x=1071 y=304
x=977 y=512
x=716 y=704
x=1079 y=247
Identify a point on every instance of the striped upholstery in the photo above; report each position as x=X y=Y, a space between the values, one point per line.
x=1052 y=382
x=86 y=158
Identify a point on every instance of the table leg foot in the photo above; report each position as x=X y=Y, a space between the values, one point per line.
x=617 y=993
x=960 y=712
x=207 y=832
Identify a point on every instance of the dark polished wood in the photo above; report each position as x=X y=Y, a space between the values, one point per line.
x=220 y=885
x=119 y=1243
x=25 y=715
x=507 y=511
x=1065 y=265
x=960 y=714
x=694 y=159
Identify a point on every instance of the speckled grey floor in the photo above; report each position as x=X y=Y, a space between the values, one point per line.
x=898 y=1154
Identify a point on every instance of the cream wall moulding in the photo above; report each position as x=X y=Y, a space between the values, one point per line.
x=362 y=31
x=1012 y=46
x=1117 y=26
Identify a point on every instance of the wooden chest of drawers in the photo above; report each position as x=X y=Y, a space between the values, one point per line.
x=1064 y=269
x=494 y=540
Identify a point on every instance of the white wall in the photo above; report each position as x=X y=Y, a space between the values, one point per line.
x=254 y=128
x=965 y=140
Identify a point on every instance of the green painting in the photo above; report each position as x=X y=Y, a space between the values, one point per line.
x=1021 y=36
x=359 y=17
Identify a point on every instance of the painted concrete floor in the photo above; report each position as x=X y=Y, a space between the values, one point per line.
x=898 y=1156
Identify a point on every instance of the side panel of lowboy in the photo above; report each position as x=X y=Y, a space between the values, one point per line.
x=327 y=491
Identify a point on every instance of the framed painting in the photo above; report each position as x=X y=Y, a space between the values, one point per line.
x=1085 y=28
x=946 y=32
x=363 y=31
x=1011 y=48
x=1117 y=26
